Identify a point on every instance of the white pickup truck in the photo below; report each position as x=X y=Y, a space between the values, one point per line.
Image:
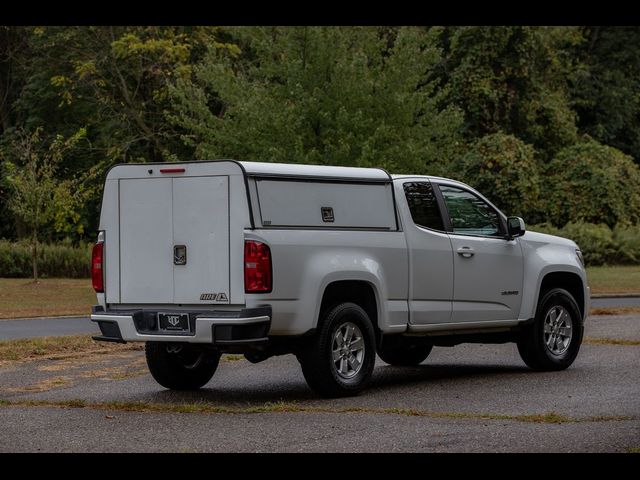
x=332 y=264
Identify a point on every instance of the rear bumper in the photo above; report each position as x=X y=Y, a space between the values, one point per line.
x=243 y=327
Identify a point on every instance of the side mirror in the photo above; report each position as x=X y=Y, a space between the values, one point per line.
x=515 y=227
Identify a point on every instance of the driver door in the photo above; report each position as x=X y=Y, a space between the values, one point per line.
x=488 y=270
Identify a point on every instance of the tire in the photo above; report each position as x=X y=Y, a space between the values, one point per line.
x=405 y=356
x=553 y=347
x=181 y=366
x=346 y=331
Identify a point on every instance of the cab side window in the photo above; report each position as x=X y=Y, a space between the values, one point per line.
x=423 y=205
x=469 y=214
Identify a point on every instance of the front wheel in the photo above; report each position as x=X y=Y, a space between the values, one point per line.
x=339 y=361
x=553 y=340
x=181 y=366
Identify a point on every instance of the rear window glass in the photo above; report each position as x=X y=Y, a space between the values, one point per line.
x=423 y=205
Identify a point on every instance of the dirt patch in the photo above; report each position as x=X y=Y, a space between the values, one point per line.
x=57 y=348
x=614 y=311
x=611 y=341
x=116 y=366
x=292 y=407
x=41 y=386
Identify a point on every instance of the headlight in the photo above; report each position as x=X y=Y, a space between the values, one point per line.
x=580 y=257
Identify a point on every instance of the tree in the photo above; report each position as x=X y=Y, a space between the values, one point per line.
x=14 y=55
x=110 y=81
x=514 y=79
x=37 y=197
x=605 y=91
x=594 y=183
x=342 y=96
x=505 y=169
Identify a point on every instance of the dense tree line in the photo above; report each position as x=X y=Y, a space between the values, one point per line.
x=545 y=120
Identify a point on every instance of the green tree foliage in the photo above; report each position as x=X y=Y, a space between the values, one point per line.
x=342 y=96
x=606 y=89
x=513 y=79
x=505 y=169
x=593 y=183
x=110 y=81
x=491 y=105
x=37 y=198
x=113 y=81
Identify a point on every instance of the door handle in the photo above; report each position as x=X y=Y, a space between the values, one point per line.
x=466 y=252
x=179 y=254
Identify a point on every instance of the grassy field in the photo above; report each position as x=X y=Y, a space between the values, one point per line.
x=21 y=297
x=619 y=279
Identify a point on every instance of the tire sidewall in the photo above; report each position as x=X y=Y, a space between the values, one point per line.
x=354 y=314
x=170 y=372
x=559 y=297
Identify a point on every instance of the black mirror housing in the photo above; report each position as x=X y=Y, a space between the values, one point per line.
x=515 y=227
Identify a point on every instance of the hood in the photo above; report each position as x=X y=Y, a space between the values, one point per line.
x=544 y=239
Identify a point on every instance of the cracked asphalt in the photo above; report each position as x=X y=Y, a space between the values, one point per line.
x=599 y=394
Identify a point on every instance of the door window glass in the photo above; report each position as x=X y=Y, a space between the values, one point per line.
x=470 y=215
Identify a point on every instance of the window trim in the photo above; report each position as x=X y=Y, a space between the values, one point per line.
x=443 y=214
x=449 y=225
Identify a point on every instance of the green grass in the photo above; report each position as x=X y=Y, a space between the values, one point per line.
x=614 y=279
x=21 y=297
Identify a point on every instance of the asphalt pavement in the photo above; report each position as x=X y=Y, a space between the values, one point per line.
x=469 y=398
x=611 y=302
x=47 y=327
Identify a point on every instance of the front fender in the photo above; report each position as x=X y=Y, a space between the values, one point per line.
x=540 y=259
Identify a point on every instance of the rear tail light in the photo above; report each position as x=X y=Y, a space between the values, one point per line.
x=257 y=267
x=97 y=262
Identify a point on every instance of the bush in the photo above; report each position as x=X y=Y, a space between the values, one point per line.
x=504 y=169
x=592 y=183
x=599 y=244
x=627 y=240
x=595 y=241
x=58 y=260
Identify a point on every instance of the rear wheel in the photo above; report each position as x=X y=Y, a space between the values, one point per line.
x=181 y=366
x=340 y=360
x=405 y=356
x=553 y=340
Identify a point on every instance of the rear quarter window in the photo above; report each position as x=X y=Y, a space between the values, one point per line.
x=423 y=205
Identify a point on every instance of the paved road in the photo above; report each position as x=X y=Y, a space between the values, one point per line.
x=46 y=327
x=29 y=328
x=463 y=395
x=615 y=302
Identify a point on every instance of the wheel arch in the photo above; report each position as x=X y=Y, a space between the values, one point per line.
x=362 y=292
x=570 y=281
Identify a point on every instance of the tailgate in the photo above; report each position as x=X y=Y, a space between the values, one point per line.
x=174 y=240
